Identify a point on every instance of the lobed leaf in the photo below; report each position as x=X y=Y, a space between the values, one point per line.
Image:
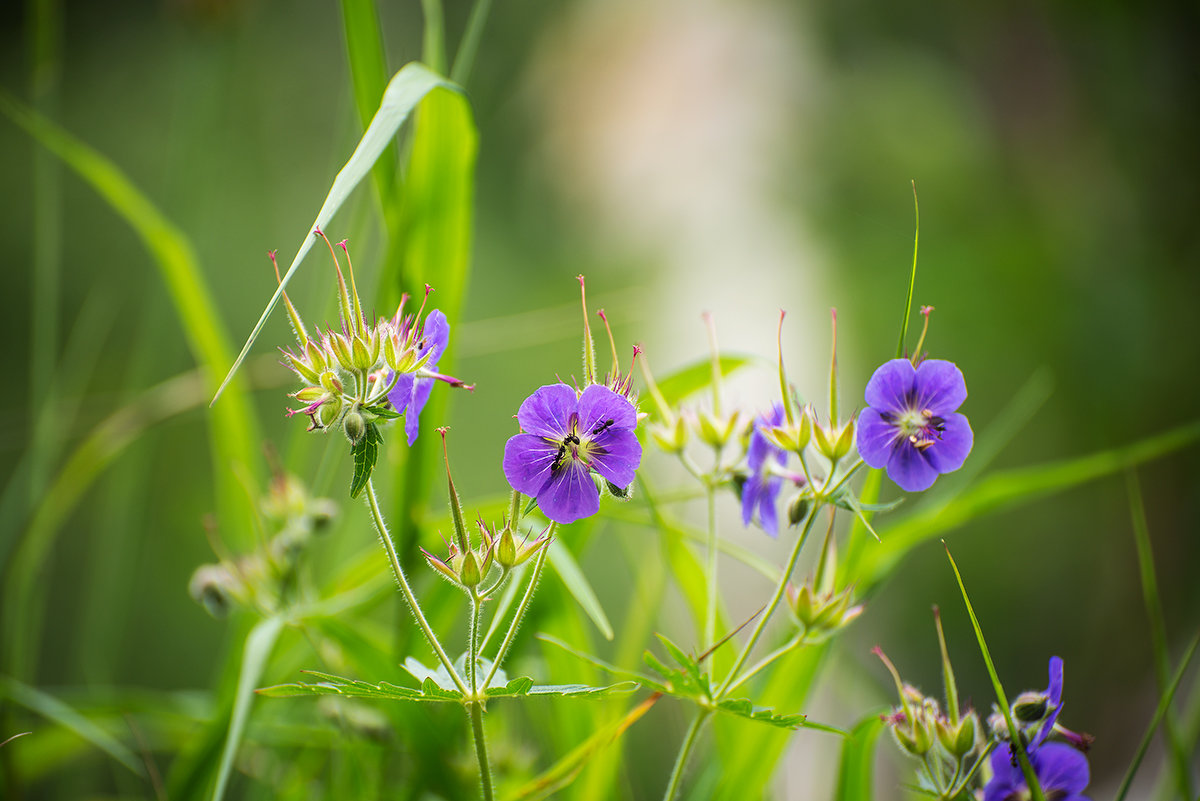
x=365 y=453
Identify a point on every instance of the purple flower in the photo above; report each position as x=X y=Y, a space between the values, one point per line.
x=762 y=487
x=1061 y=771
x=911 y=426
x=411 y=392
x=564 y=438
x=1053 y=695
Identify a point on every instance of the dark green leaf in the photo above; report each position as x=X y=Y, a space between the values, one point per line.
x=365 y=452
x=383 y=411
x=743 y=707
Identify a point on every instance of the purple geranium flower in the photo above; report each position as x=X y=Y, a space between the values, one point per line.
x=762 y=487
x=1061 y=771
x=564 y=438
x=911 y=426
x=411 y=392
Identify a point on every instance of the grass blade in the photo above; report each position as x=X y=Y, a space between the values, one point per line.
x=912 y=278
x=856 y=768
x=1158 y=630
x=368 y=76
x=1164 y=703
x=1031 y=780
x=1009 y=489
x=259 y=645
x=579 y=587
x=408 y=88
x=55 y=710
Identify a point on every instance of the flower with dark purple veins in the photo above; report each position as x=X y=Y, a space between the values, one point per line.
x=565 y=437
x=1061 y=771
x=911 y=425
x=762 y=487
x=411 y=392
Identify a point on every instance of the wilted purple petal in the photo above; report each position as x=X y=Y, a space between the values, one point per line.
x=616 y=454
x=910 y=468
x=758 y=496
x=412 y=416
x=598 y=405
x=875 y=438
x=547 y=412
x=401 y=394
x=1054 y=693
x=953 y=444
x=760 y=448
x=436 y=336
x=939 y=387
x=570 y=495
x=890 y=386
x=528 y=460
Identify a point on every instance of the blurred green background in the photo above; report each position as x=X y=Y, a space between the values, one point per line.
x=685 y=156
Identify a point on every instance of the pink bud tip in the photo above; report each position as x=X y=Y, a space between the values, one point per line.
x=833 y=314
x=600 y=314
x=342 y=244
x=925 y=310
x=579 y=278
x=318 y=232
x=637 y=349
x=428 y=290
x=877 y=651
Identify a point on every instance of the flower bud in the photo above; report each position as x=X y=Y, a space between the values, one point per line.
x=1030 y=707
x=329 y=380
x=328 y=412
x=715 y=430
x=469 y=573
x=302 y=369
x=360 y=354
x=798 y=509
x=960 y=741
x=341 y=351
x=506 y=549
x=214 y=588
x=316 y=356
x=673 y=437
x=354 y=426
x=620 y=493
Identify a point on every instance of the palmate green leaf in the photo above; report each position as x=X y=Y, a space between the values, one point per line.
x=365 y=453
x=856 y=767
x=431 y=692
x=259 y=644
x=412 y=84
x=694 y=377
x=744 y=708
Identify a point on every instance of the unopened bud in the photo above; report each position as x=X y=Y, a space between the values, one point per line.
x=715 y=430
x=361 y=354
x=329 y=380
x=620 y=493
x=798 y=509
x=354 y=426
x=469 y=573
x=506 y=549
x=212 y=586
x=328 y=412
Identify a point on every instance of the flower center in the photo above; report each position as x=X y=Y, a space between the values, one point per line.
x=921 y=428
x=576 y=448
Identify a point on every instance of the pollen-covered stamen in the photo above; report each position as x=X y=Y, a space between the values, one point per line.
x=921 y=428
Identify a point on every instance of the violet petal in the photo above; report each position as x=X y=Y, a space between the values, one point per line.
x=570 y=495
x=949 y=450
x=598 y=404
x=939 y=387
x=615 y=453
x=547 y=412
x=890 y=386
x=909 y=468
x=527 y=462
x=875 y=438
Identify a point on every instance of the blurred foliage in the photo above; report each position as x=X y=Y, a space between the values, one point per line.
x=1053 y=152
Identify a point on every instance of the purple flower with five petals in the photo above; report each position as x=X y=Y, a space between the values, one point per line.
x=1060 y=769
x=762 y=487
x=564 y=438
x=411 y=392
x=911 y=425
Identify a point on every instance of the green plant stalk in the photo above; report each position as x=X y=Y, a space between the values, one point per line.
x=475 y=707
x=1031 y=780
x=1164 y=703
x=464 y=58
x=912 y=278
x=516 y=621
x=413 y=606
x=710 y=573
x=1158 y=631
x=774 y=602
x=765 y=661
x=685 y=751
x=485 y=772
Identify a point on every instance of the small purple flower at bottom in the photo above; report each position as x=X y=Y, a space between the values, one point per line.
x=564 y=438
x=762 y=487
x=1060 y=769
x=911 y=426
x=411 y=392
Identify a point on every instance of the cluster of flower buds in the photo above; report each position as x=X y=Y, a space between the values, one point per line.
x=919 y=725
x=349 y=372
x=266 y=577
x=820 y=607
x=467 y=566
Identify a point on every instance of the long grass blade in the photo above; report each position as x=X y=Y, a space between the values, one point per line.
x=408 y=88
x=912 y=277
x=856 y=768
x=368 y=77
x=259 y=645
x=1031 y=779
x=579 y=587
x=1164 y=703
x=57 y=711
x=1158 y=630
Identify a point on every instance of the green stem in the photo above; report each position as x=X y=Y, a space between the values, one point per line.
x=464 y=59
x=766 y=660
x=766 y=615
x=710 y=574
x=485 y=769
x=850 y=471
x=413 y=606
x=685 y=750
x=516 y=621
x=473 y=643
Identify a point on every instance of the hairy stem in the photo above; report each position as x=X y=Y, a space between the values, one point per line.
x=516 y=621
x=475 y=710
x=774 y=602
x=402 y=580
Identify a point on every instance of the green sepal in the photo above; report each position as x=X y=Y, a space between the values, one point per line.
x=383 y=411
